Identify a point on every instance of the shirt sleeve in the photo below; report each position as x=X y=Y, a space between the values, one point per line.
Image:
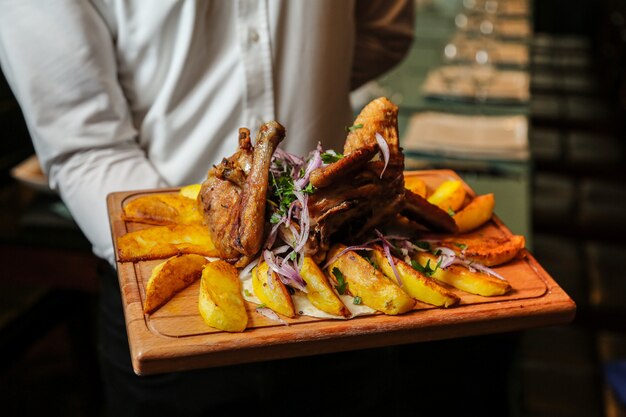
x=384 y=33
x=59 y=59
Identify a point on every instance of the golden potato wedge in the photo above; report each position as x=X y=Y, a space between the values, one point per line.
x=364 y=281
x=463 y=279
x=190 y=191
x=488 y=250
x=162 y=209
x=449 y=196
x=164 y=241
x=320 y=293
x=270 y=290
x=475 y=214
x=220 y=302
x=170 y=277
x=415 y=184
x=414 y=283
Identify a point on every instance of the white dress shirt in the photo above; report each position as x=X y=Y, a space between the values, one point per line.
x=132 y=94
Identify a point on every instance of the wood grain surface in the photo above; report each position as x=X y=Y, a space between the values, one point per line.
x=176 y=338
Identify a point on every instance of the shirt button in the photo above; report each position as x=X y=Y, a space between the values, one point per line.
x=253 y=36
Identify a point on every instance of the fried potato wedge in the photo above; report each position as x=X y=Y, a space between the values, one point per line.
x=164 y=241
x=270 y=290
x=449 y=196
x=463 y=279
x=416 y=185
x=414 y=283
x=489 y=251
x=170 y=277
x=220 y=302
x=162 y=209
x=190 y=191
x=320 y=293
x=368 y=283
x=476 y=213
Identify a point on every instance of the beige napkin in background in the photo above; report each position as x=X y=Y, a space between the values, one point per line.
x=468 y=136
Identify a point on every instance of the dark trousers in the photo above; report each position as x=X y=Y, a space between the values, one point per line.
x=469 y=375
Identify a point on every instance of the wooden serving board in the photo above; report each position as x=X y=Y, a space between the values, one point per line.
x=176 y=338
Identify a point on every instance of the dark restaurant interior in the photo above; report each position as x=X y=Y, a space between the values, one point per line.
x=565 y=190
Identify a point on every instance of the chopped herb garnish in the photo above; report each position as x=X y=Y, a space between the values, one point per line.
x=451 y=212
x=292 y=256
x=341 y=281
x=371 y=261
x=247 y=293
x=282 y=188
x=309 y=189
x=262 y=305
x=357 y=300
x=423 y=245
x=353 y=128
x=461 y=246
x=275 y=218
x=426 y=269
x=330 y=157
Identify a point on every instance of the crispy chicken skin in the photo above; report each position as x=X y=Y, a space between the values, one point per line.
x=233 y=196
x=354 y=195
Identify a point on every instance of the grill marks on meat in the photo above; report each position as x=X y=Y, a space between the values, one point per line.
x=233 y=196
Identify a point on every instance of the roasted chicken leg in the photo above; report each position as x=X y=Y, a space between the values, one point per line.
x=233 y=196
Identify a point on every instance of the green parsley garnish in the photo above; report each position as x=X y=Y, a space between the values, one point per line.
x=426 y=269
x=330 y=157
x=247 y=293
x=342 y=285
x=357 y=300
x=461 y=246
x=353 y=128
x=283 y=187
x=371 y=261
x=451 y=212
x=309 y=189
x=262 y=305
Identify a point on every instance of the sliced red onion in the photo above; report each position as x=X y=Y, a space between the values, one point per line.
x=482 y=268
x=446 y=258
x=397 y=237
x=384 y=149
x=349 y=248
x=286 y=273
x=390 y=259
x=304 y=224
x=288 y=157
x=290 y=276
x=270 y=314
x=248 y=268
x=449 y=257
x=314 y=163
x=281 y=249
x=268 y=257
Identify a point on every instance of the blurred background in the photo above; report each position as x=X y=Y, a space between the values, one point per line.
x=523 y=98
